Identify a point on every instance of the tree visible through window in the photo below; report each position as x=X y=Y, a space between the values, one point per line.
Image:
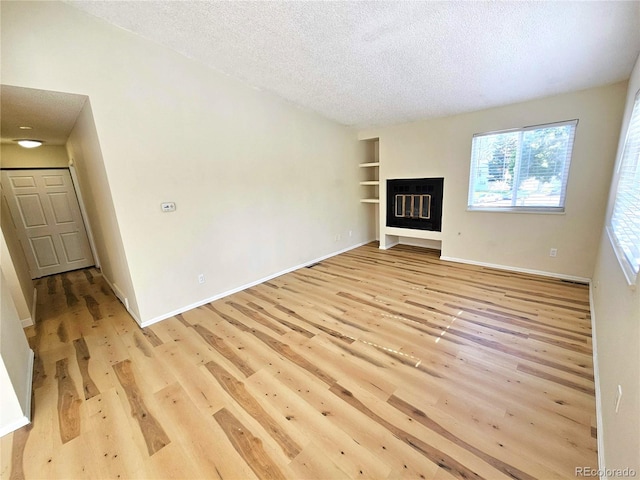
x=521 y=169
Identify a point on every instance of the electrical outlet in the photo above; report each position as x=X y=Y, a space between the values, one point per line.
x=618 y=397
x=201 y=278
x=350 y=233
x=553 y=252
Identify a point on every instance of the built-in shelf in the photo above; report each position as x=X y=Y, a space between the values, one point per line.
x=370 y=179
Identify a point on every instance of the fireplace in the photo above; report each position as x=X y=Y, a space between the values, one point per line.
x=415 y=203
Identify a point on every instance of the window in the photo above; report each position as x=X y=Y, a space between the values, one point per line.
x=524 y=169
x=624 y=223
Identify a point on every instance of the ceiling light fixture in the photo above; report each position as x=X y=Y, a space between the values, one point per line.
x=26 y=143
x=25 y=128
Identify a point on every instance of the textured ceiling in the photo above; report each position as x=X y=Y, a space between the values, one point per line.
x=370 y=63
x=51 y=115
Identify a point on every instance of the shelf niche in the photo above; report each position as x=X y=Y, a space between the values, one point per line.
x=370 y=178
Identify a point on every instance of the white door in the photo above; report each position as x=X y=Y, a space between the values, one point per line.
x=47 y=218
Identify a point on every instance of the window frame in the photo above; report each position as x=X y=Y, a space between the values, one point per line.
x=631 y=273
x=539 y=209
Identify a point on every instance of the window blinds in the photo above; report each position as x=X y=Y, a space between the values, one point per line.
x=624 y=227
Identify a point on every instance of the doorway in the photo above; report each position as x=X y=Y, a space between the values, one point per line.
x=47 y=219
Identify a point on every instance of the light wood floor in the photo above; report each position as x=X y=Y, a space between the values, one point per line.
x=372 y=364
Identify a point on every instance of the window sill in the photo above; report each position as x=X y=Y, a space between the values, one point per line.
x=627 y=270
x=528 y=210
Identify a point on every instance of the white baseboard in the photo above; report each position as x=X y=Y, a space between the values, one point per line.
x=26 y=322
x=596 y=379
x=119 y=293
x=560 y=276
x=13 y=426
x=244 y=287
x=125 y=301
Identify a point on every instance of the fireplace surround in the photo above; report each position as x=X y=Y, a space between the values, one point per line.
x=415 y=203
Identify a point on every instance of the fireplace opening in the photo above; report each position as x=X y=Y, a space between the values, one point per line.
x=413 y=206
x=415 y=203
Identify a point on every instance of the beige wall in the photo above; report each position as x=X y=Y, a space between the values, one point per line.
x=442 y=147
x=616 y=308
x=18 y=279
x=48 y=156
x=84 y=152
x=260 y=185
x=16 y=361
x=14 y=264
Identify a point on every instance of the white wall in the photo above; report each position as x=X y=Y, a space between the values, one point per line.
x=16 y=363
x=260 y=185
x=442 y=148
x=616 y=308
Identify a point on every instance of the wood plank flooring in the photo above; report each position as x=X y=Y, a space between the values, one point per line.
x=371 y=364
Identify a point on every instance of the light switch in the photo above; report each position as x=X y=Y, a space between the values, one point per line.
x=168 y=207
